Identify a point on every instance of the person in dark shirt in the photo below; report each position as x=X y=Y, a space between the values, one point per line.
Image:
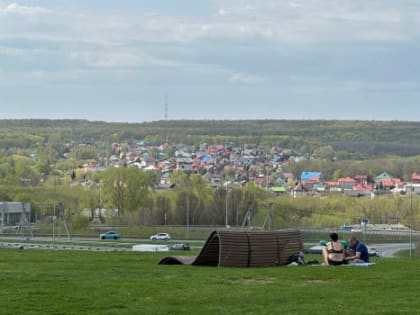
x=360 y=252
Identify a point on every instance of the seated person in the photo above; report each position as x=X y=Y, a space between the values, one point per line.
x=360 y=251
x=333 y=252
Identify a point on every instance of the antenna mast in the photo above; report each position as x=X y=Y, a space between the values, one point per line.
x=166 y=106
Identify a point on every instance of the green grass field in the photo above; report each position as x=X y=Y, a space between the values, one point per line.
x=72 y=282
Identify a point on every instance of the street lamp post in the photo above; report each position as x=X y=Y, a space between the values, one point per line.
x=54 y=209
x=411 y=221
x=226 y=210
x=188 y=217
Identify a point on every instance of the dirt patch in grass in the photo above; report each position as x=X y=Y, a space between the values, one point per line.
x=253 y=281
x=317 y=281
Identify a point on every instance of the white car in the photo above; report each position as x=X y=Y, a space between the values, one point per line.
x=160 y=237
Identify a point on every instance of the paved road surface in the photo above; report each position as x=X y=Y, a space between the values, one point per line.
x=94 y=244
x=389 y=250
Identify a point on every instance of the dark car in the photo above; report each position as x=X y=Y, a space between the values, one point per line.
x=180 y=247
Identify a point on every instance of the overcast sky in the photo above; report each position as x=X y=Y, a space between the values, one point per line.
x=215 y=59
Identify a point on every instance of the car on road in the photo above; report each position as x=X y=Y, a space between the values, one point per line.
x=160 y=237
x=180 y=247
x=317 y=250
x=373 y=252
x=110 y=235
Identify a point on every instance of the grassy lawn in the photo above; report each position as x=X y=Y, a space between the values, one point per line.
x=72 y=282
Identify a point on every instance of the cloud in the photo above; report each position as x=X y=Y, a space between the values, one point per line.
x=116 y=59
x=293 y=4
x=279 y=22
x=105 y=59
x=314 y=21
x=223 y=12
x=323 y=84
x=242 y=78
x=16 y=9
x=240 y=38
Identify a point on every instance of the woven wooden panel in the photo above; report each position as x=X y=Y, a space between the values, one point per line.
x=245 y=249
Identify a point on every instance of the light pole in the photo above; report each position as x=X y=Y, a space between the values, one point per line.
x=188 y=217
x=266 y=178
x=411 y=220
x=100 y=202
x=226 y=210
x=54 y=209
x=188 y=193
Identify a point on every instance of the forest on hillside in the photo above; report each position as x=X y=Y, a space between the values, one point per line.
x=352 y=139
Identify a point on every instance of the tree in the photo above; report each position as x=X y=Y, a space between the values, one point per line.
x=326 y=152
x=163 y=209
x=83 y=152
x=337 y=174
x=251 y=195
x=138 y=184
x=45 y=159
x=73 y=175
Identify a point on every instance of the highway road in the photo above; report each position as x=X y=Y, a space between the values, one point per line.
x=81 y=243
x=389 y=250
x=95 y=244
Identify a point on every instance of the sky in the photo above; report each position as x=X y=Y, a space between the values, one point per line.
x=119 y=60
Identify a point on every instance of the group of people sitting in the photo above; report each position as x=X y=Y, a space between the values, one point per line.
x=335 y=253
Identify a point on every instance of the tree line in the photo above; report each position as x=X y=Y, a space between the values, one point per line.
x=191 y=201
x=351 y=139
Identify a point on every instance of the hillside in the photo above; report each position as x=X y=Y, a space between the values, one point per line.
x=354 y=139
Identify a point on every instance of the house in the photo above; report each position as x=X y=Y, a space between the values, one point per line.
x=415 y=178
x=184 y=164
x=299 y=190
x=182 y=154
x=333 y=186
x=347 y=183
x=143 y=143
x=216 y=150
x=250 y=152
x=288 y=176
x=363 y=187
x=313 y=177
x=390 y=183
x=387 y=181
x=381 y=177
x=263 y=181
x=361 y=179
x=320 y=187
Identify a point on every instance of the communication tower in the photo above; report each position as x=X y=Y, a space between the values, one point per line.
x=166 y=106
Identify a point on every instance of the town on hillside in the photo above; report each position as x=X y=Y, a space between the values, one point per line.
x=223 y=165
